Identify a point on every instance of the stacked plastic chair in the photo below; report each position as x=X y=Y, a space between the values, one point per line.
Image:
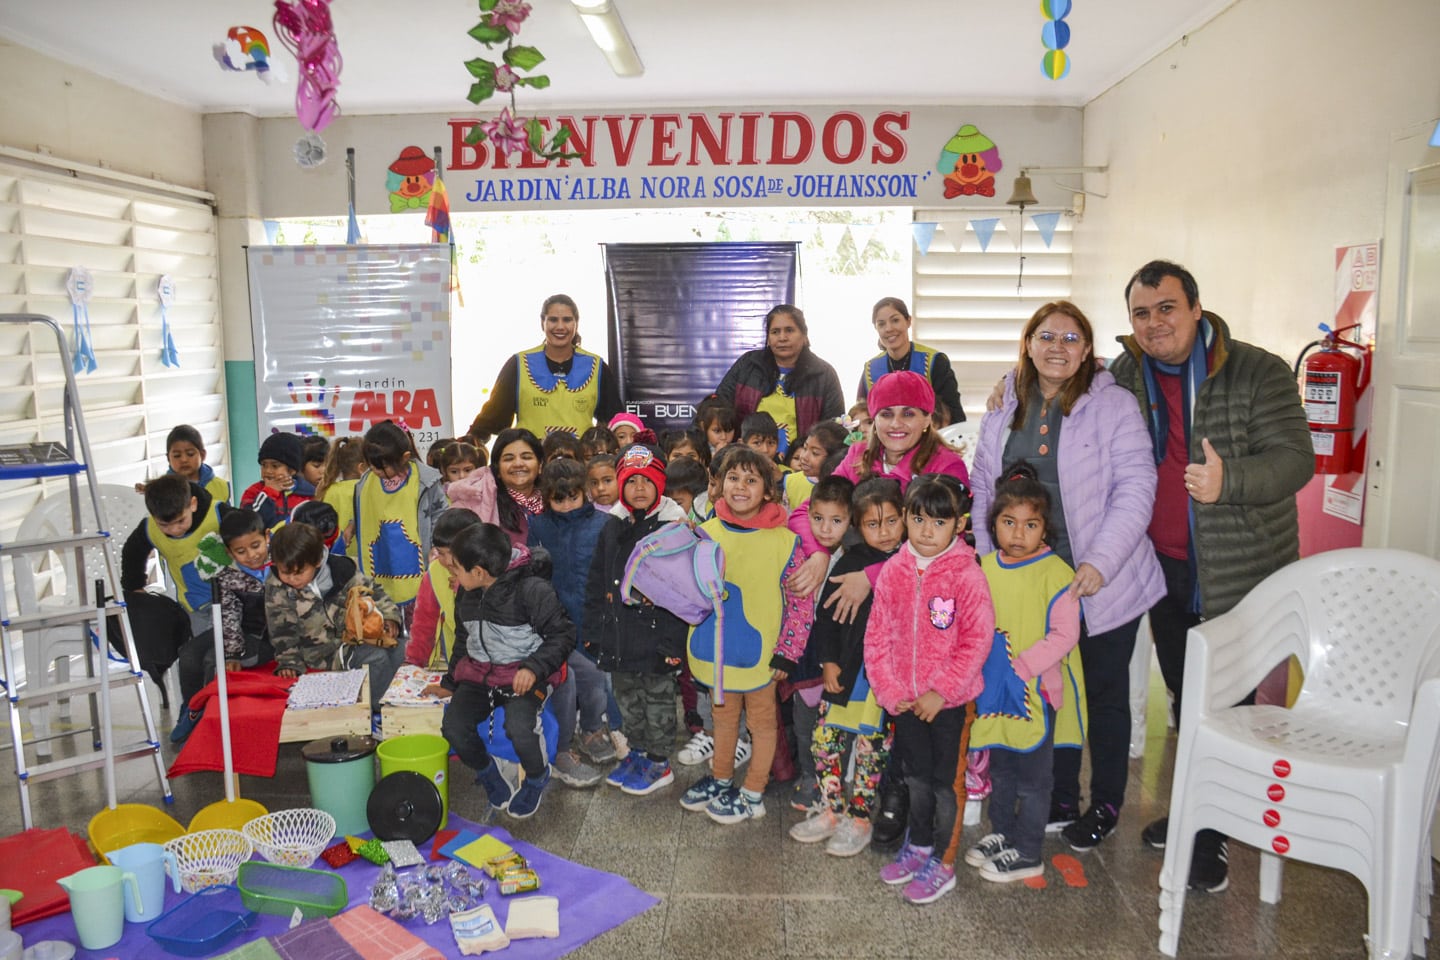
x=1347 y=777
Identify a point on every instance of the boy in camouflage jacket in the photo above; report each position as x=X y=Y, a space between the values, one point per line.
x=305 y=599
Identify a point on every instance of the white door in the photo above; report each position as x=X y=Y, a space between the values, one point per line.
x=1404 y=474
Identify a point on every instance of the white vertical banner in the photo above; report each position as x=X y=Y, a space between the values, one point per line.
x=349 y=336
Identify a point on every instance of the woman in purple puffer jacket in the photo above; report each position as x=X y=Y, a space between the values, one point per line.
x=1085 y=438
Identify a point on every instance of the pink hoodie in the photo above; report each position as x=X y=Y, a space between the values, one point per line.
x=931 y=630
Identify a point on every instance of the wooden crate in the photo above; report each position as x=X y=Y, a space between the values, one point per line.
x=313 y=724
x=396 y=721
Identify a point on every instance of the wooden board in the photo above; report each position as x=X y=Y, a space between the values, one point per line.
x=396 y=721
x=313 y=724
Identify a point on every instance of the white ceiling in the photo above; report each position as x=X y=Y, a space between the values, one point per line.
x=402 y=56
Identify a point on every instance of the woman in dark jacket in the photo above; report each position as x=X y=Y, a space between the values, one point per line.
x=784 y=379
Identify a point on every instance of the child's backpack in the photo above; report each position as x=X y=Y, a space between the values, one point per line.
x=677 y=571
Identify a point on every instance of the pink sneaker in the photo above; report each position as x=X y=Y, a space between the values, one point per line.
x=977 y=774
x=906 y=864
x=932 y=882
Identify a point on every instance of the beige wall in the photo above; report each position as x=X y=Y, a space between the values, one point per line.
x=71 y=113
x=1249 y=152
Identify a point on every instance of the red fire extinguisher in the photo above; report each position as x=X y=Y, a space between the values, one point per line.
x=1333 y=382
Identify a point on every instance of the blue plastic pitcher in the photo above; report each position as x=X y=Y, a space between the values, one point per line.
x=147 y=861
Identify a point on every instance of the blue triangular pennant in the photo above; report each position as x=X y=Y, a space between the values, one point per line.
x=984 y=230
x=924 y=232
x=352 y=232
x=272 y=230
x=1045 y=223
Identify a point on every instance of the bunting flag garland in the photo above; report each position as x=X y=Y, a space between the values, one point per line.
x=165 y=290
x=984 y=229
x=1046 y=223
x=924 y=232
x=79 y=285
x=272 y=230
x=956 y=232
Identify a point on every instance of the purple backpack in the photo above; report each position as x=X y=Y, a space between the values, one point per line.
x=677 y=571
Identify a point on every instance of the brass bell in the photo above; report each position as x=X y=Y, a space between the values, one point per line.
x=1022 y=195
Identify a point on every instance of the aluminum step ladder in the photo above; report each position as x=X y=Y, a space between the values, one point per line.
x=95 y=595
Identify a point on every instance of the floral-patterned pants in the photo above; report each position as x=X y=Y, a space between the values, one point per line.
x=830 y=747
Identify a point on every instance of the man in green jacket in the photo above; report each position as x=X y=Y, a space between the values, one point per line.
x=1232 y=449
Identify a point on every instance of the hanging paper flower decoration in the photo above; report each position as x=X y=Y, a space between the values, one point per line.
x=500 y=22
x=506 y=133
x=509 y=14
x=306 y=30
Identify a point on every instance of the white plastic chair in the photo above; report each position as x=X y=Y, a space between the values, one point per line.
x=1347 y=778
x=124 y=509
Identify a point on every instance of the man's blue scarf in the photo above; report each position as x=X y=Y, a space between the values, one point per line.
x=1192 y=374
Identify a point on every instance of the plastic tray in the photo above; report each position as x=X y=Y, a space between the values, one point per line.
x=202 y=923
x=272 y=888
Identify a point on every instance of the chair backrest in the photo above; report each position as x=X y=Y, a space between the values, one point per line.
x=1375 y=628
x=124 y=508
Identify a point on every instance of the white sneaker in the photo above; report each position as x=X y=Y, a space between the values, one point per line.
x=742 y=750
x=700 y=748
x=622 y=745
x=816 y=827
x=851 y=837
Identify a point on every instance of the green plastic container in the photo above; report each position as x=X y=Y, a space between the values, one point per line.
x=423 y=753
x=341 y=772
x=271 y=888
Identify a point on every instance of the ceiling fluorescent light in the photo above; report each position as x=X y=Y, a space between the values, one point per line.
x=608 y=31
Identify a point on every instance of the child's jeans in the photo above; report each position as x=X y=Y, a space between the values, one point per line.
x=829 y=747
x=762 y=716
x=1023 y=779
x=647 y=702
x=471 y=705
x=583 y=692
x=930 y=754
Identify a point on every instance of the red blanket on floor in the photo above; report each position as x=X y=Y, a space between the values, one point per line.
x=257 y=709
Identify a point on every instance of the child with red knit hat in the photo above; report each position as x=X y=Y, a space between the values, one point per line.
x=639 y=645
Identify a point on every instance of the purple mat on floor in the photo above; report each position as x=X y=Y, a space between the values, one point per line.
x=591 y=902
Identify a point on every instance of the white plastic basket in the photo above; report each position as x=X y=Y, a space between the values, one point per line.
x=209 y=858
x=291 y=838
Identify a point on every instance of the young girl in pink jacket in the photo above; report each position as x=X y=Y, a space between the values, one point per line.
x=930 y=630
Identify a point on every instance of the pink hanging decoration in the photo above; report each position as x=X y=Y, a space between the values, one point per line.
x=306 y=30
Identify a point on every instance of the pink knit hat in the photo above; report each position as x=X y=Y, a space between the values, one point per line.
x=628 y=419
x=903 y=389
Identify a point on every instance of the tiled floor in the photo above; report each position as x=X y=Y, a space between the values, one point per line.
x=748 y=891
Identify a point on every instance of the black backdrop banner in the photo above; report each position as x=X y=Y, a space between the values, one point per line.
x=681 y=313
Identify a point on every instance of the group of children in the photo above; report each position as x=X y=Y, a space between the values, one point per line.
x=948 y=652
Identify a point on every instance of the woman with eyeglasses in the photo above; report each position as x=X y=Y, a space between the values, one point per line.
x=1085 y=438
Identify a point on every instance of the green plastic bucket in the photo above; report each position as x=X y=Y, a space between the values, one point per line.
x=423 y=753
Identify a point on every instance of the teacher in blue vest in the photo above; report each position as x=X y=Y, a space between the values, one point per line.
x=555 y=386
x=891 y=319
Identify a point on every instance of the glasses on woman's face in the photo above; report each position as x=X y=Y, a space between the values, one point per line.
x=1048 y=337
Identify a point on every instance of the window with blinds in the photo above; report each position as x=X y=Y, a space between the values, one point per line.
x=127 y=237
x=965 y=299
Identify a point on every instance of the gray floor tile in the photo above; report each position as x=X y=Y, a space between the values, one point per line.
x=742 y=872
x=704 y=927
